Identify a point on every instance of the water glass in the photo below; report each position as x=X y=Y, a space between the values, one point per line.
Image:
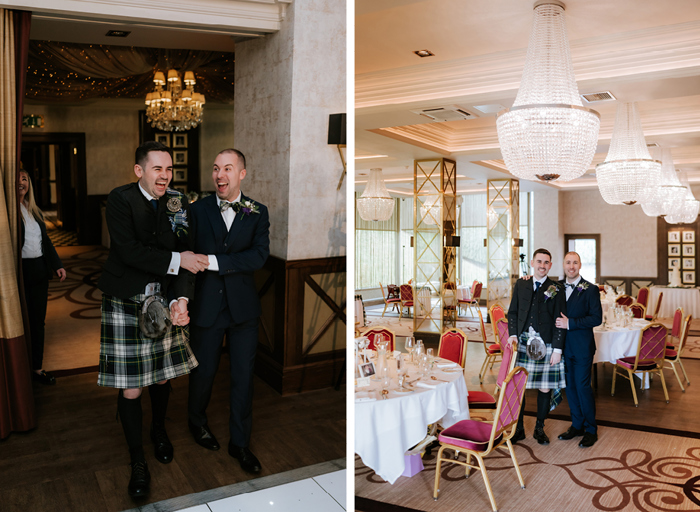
x=410 y=345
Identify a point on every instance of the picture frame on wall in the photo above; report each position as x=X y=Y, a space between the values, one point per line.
x=180 y=157
x=180 y=174
x=179 y=140
x=688 y=263
x=180 y=187
x=689 y=237
x=688 y=249
x=674 y=236
x=674 y=249
x=163 y=138
x=674 y=263
x=688 y=277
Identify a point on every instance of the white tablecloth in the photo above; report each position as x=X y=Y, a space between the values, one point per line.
x=422 y=305
x=686 y=298
x=464 y=292
x=613 y=344
x=386 y=429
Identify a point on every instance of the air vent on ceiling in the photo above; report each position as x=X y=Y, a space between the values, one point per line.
x=652 y=145
x=598 y=96
x=447 y=113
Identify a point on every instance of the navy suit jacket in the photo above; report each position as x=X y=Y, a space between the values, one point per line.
x=240 y=251
x=584 y=312
x=548 y=310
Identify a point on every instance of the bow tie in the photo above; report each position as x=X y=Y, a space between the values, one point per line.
x=570 y=285
x=225 y=205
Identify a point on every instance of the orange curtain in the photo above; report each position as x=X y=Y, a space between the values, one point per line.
x=16 y=399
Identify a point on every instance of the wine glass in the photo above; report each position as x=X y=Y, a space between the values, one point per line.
x=431 y=359
x=401 y=370
x=410 y=345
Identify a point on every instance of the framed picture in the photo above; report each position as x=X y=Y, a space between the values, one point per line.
x=674 y=249
x=180 y=157
x=688 y=277
x=180 y=187
x=688 y=249
x=180 y=174
x=674 y=263
x=163 y=138
x=688 y=263
x=179 y=140
x=674 y=236
x=689 y=237
x=367 y=369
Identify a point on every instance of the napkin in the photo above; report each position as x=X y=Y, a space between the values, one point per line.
x=446 y=365
x=365 y=396
x=427 y=385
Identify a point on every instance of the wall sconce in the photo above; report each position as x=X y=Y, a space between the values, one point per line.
x=517 y=242
x=336 y=135
x=33 y=121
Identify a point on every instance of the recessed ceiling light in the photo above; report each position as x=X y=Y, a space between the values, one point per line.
x=424 y=53
x=118 y=33
x=362 y=173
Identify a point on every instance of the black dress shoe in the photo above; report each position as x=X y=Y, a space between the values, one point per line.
x=44 y=377
x=140 y=478
x=518 y=436
x=570 y=434
x=588 y=440
x=248 y=461
x=163 y=448
x=203 y=437
x=540 y=436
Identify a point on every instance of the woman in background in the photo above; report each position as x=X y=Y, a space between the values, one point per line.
x=39 y=260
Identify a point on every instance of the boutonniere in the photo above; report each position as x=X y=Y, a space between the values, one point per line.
x=582 y=286
x=177 y=214
x=247 y=207
x=551 y=292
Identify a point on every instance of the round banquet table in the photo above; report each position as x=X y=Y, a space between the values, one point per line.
x=386 y=428
x=686 y=298
x=617 y=342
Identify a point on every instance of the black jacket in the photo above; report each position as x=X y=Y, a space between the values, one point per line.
x=49 y=254
x=548 y=310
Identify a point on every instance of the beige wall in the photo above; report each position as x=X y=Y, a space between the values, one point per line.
x=216 y=134
x=546 y=227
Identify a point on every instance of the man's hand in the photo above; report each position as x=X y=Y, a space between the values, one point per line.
x=526 y=277
x=178 y=313
x=194 y=262
x=556 y=358
x=563 y=322
x=61 y=272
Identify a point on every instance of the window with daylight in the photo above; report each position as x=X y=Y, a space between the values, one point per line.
x=376 y=247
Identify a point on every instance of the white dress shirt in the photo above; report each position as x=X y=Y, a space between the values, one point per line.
x=174 y=267
x=569 y=289
x=32 y=235
x=229 y=216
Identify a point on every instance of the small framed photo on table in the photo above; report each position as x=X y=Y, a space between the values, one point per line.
x=163 y=138
x=688 y=277
x=180 y=157
x=179 y=140
x=688 y=263
x=688 y=249
x=674 y=263
x=674 y=236
x=689 y=237
x=367 y=369
x=674 y=249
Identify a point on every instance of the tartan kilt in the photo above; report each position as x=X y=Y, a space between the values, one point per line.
x=130 y=360
x=542 y=375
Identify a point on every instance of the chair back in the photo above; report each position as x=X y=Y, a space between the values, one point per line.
x=652 y=343
x=450 y=286
x=508 y=363
x=684 y=336
x=501 y=330
x=496 y=312
x=638 y=310
x=476 y=291
x=601 y=287
x=677 y=323
x=385 y=334
x=624 y=300
x=483 y=331
x=643 y=296
x=382 y=288
x=406 y=292
x=509 y=401
x=658 y=306
x=453 y=346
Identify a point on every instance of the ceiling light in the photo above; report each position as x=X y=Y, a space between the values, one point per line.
x=547 y=134
x=668 y=193
x=375 y=203
x=118 y=33
x=424 y=53
x=628 y=174
x=686 y=211
x=172 y=108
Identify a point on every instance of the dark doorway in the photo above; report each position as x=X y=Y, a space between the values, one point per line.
x=56 y=164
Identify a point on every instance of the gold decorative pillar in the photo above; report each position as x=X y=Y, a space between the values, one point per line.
x=503 y=236
x=435 y=257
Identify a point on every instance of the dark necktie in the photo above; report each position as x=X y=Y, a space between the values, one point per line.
x=537 y=286
x=154 y=203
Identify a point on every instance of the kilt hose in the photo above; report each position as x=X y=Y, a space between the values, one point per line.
x=542 y=375
x=128 y=359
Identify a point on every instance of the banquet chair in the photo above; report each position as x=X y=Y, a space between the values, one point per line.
x=406 y=291
x=384 y=332
x=481 y=401
x=624 y=300
x=476 y=295
x=656 y=309
x=394 y=302
x=675 y=328
x=649 y=359
x=479 y=438
x=643 y=296
x=453 y=346
x=496 y=312
x=449 y=308
x=494 y=352
x=638 y=310
x=674 y=356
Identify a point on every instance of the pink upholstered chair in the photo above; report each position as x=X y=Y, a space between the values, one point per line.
x=394 y=302
x=496 y=312
x=673 y=356
x=384 y=332
x=481 y=401
x=675 y=329
x=652 y=318
x=643 y=296
x=406 y=298
x=624 y=300
x=478 y=439
x=453 y=346
x=493 y=350
x=638 y=310
x=476 y=295
x=649 y=359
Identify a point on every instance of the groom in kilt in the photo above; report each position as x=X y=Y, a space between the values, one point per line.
x=149 y=256
x=537 y=303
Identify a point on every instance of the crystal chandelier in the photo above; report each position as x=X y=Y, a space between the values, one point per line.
x=430 y=210
x=629 y=174
x=547 y=134
x=669 y=191
x=375 y=203
x=174 y=109
x=686 y=211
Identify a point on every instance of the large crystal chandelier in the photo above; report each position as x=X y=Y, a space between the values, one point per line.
x=669 y=192
x=547 y=134
x=174 y=109
x=686 y=211
x=375 y=203
x=629 y=174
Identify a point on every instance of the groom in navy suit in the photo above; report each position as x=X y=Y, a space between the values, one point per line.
x=233 y=230
x=584 y=313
